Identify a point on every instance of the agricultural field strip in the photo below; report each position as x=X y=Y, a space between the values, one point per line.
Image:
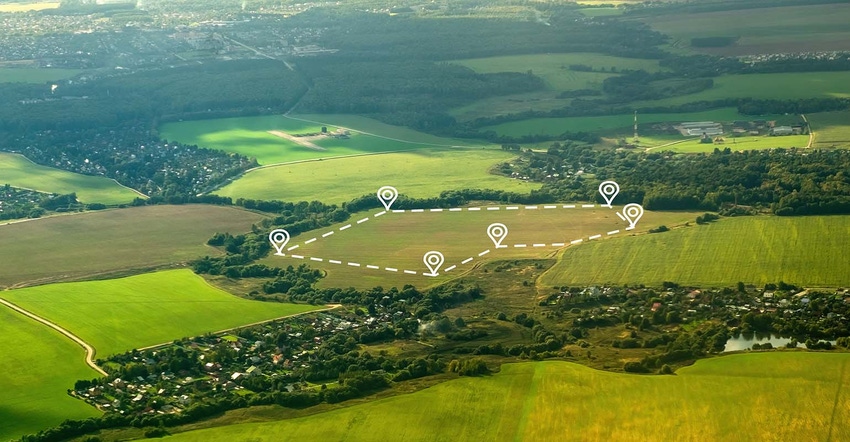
x=454 y=209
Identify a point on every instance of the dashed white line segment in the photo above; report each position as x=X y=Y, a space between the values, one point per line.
x=454 y=209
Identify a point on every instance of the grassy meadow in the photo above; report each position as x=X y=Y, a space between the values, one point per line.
x=752 y=397
x=118 y=315
x=554 y=68
x=419 y=174
x=250 y=136
x=112 y=241
x=782 y=86
x=832 y=129
x=400 y=240
x=808 y=251
x=557 y=126
x=38 y=365
x=692 y=145
x=762 y=30
x=555 y=72
x=18 y=171
x=34 y=75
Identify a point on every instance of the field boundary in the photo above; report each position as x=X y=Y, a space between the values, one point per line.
x=90 y=351
x=435 y=266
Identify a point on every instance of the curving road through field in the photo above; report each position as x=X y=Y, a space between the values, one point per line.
x=88 y=348
x=90 y=351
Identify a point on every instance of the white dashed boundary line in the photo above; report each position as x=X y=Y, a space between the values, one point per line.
x=453 y=209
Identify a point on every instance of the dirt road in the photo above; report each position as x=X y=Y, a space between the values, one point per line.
x=88 y=348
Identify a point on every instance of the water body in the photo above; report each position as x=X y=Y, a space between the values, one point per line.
x=745 y=341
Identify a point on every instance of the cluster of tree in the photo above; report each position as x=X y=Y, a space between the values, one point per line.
x=787 y=182
x=414 y=93
x=820 y=318
x=684 y=347
x=19 y=203
x=219 y=88
x=468 y=367
x=364 y=36
x=642 y=85
x=132 y=156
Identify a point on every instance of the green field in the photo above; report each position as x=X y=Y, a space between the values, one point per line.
x=807 y=251
x=38 y=366
x=34 y=75
x=557 y=126
x=112 y=241
x=118 y=315
x=785 y=86
x=832 y=129
x=249 y=136
x=400 y=240
x=553 y=69
x=762 y=30
x=693 y=145
x=754 y=397
x=419 y=174
x=18 y=171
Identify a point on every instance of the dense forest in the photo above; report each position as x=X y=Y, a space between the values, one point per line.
x=781 y=181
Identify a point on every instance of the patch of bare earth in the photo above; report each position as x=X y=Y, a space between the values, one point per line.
x=303 y=141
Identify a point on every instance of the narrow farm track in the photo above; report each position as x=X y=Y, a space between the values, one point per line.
x=90 y=351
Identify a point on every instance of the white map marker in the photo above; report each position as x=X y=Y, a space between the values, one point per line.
x=387 y=196
x=609 y=191
x=631 y=213
x=279 y=238
x=433 y=260
x=497 y=232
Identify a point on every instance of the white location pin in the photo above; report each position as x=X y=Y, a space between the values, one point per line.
x=631 y=213
x=387 y=196
x=433 y=260
x=279 y=238
x=497 y=232
x=609 y=191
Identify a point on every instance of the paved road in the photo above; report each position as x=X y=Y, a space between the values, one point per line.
x=89 y=349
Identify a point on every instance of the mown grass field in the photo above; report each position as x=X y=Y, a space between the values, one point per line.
x=112 y=241
x=38 y=365
x=419 y=174
x=753 y=397
x=34 y=75
x=249 y=136
x=400 y=240
x=807 y=251
x=118 y=315
x=18 y=171
x=762 y=30
x=832 y=129
x=557 y=126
